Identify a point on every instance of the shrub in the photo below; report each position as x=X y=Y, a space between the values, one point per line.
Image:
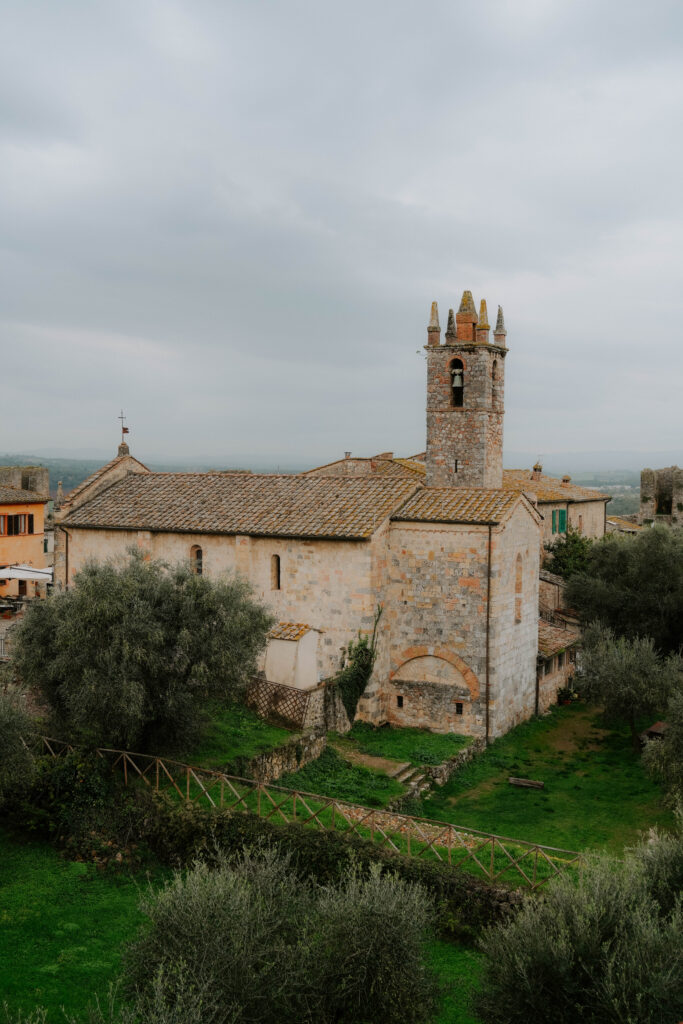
x=16 y=728
x=129 y=655
x=664 y=758
x=271 y=948
x=599 y=951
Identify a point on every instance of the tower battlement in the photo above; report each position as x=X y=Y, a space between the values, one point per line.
x=465 y=390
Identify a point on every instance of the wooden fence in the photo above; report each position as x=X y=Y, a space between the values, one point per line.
x=498 y=858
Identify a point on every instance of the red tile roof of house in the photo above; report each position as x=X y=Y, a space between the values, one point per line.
x=17 y=496
x=458 y=505
x=553 y=639
x=266 y=505
x=549 y=488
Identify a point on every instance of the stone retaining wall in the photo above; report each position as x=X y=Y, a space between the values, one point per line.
x=441 y=773
x=299 y=751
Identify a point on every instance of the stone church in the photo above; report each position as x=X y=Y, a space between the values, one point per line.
x=446 y=548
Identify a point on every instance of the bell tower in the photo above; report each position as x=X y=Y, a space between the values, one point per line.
x=465 y=381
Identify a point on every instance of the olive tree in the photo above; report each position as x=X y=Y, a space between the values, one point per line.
x=128 y=655
x=628 y=678
x=16 y=728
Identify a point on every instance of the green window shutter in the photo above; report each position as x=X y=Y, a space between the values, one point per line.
x=554 y=520
x=563 y=520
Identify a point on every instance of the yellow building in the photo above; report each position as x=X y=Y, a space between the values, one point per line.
x=22 y=539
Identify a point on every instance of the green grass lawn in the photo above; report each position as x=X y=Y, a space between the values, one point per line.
x=417 y=746
x=61 y=928
x=459 y=969
x=596 y=791
x=331 y=775
x=234 y=732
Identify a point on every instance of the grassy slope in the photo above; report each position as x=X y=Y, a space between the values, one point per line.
x=331 y=775
x=233 y=732
x=61 y=928
x=596 y=792
x=414 y=745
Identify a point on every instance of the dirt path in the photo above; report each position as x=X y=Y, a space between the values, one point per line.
x=377 y=764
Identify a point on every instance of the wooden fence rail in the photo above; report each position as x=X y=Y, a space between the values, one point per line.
x=498 y=858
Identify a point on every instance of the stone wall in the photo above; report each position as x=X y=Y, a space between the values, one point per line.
x=290 y=757
x=330 y=585
x=441 y=773
x=472 y=433
x=513 y=641
x=549 y=685
x=661 y=497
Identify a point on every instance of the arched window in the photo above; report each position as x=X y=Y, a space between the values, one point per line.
x=457 y=372
x=518 y=589
x=196 y=560
x=494 y=371
x=275 y=572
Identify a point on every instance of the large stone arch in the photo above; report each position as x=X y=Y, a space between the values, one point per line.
x=419 y=663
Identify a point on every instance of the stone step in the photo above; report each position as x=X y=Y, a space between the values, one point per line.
x=399 y=768
x=406 y=775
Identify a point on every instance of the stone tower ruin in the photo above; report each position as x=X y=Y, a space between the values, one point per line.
x=661 y=497
x=465 y=382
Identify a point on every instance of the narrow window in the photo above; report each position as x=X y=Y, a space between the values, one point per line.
x=518 y=589
x=548 y=667
x=22 y=588
x=30 y=524
x=580 y=524
x=45 y=545
x=458 y=707
x=457 y=371
x=25 y=482
x=275 y=572
x=455 y=466
x=399 y=702
x=196 y=560
x=560 y=660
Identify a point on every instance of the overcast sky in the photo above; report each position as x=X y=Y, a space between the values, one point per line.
x=230 y=217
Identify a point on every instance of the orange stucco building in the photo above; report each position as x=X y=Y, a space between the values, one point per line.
x=22 y=538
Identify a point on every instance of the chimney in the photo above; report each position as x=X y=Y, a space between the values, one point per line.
x=536 y=471
x=60 y=494
x=466 y=317
x=483 y=326
x=347 y=455
x=566 y=480
x=434 y=330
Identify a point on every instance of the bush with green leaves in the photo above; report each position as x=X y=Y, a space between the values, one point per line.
x=16 y=730
x=634 y=585
x=129 y=655
x=664 y=757
x=568 y=554
x=627 y=677
x=605 y=949
x=273 y=948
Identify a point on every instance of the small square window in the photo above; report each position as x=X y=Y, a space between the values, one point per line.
x=458 y=707
x=399 y=702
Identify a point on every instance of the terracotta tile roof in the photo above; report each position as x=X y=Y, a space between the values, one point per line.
x=624 y=524
x=16 y=496
x=97 y=475
x=458 y=505
x=553 y=640
x=260 y=505
x=549 y=488
x=289 y=631
x=550 y=577
x=377 y=465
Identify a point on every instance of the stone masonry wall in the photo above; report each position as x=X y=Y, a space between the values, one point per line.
x=514 y=637
x=435 y=615
x=473 y=433
x=661 y=496
x=326 y=584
